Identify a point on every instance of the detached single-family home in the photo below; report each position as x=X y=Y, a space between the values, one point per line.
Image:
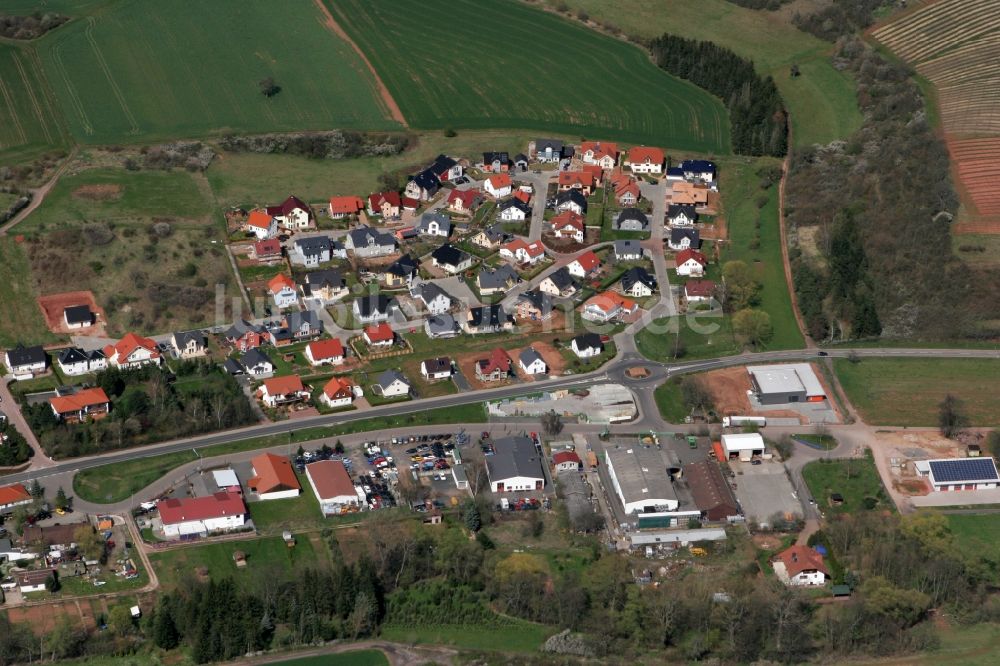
x=566 y=461
x=498 y=185
x=550 y=150
x=282 y=290
x=492 y=281
x=559 y=283
x=487 y=319
x=33 y=580
x=607 y=306
x=273 y=477
x=366 y=242
x=691 y=263
x=702 y=170
x=800 y=566
x=585 y=265
x=435 y=299
x=295 y=327
x=324 y=286
x=332 y=486
x=496 y=162
x=571 y=200
x=132 y=351
x=682 y=238
x=80 y=405
x=221 y=512
x=495 y=367
x=325 y=352
x=441 y=326
x=292 y=214
x=491 y=237
x=423 y=186
x=78 y=316
x=464 y=202
x=373 y=308
x=379 y=335
x=282 y=390
x=386 y=204
x=243 y=335
x=400 y=273
x=434 y=224
x=576 y=180
x=627 y=192
x=534 y=305
x=681 y=215
x=568 y=224
x=338 y=392
x=531 y=362
x=632 y=219
x=24 y=362
x=256 y=363
x=638 y=283
x=14 y=495
x=523 y=252
x=445 y=168
x=603 y=154
x=587 y=345
x=74 y=361
x=691 y=194
x=261 y=225
x=341 y=207
x=391 y=384
x=699 y=291
x=450 y=259
x=521 y=162
x=436 y=368
x=627 y=250
x=266 y=251
x=513 y=210
x=189 y=344
x=646 y=160
x=313 y=251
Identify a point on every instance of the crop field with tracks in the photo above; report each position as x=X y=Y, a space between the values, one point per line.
x=477 y=65
x=28 y=122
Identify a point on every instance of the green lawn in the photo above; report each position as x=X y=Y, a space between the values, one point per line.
x=137 y=71
x=296 y=513
x=907 y=392
x=118 y=481
x=22 y=319
x=979 y=534
x=670 y=402
x=821 y=101
x=525 y=637
x=855 y=478
x=29 y=122
x=353 y=658
x=554 y=75
x=700 y=337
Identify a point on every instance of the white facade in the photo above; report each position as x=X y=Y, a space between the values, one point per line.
x=691 y=268
x=395 y=388
x=641 y=488
x=512 y=214
x=285 y=297
x=743 y=444
x=503 y=190
x=514 y=484
x=536 y=367
x=585 y=353
x=638 y=289
x=220 y=524
x=262 y=233
x=296 y=219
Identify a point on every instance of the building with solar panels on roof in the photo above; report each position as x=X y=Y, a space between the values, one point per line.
x=950 y=474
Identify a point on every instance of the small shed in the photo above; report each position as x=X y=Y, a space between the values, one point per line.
x=136 y=612
x=240 y=558
x=841 y=590
x=836 y=499
x=289 y=539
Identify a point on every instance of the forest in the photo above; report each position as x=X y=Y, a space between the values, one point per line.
x=756 y=113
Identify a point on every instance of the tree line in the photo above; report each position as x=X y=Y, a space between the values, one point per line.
x=759 y=123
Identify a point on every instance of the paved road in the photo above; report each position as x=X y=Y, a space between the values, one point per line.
x=9 y=407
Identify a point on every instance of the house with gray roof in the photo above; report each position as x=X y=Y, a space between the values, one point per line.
x=487 y=319
x=189 y=344
x=627 y=250
x=256 y=363
x=559 y=283
x=391 y=384
x=373 y=308
x=534 y=305
x=367 y=242
x=515 y=466
x=499 y=279
x=491 y=237
x=451 y=259
x=531 y=362
x=638 y=283
x=296 y=327
x=434 y=223
x=441 y=326
x=684 y=238
x=314 y=250
x=435 y=299
x=571 y=200
x=632 y=219
x=513 y=210
x=324 y=286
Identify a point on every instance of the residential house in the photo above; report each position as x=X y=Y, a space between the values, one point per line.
x=627 y=250
x=282 y=291
x=261 y=225
x=495 y=367
x=324 y=286
x=273 y=477
x=699 y=291
x=568 y=224
x=33 y=580
x=74 y=361
x=464 y=202
x=132 y=351
x=608 y=306
x=379 y=335
x=267 y=251
x=436 y=368
x=531 y=362
x=312 y=251
x=243 y=335
x=409 y=204
x=559 y=283
x=681 y=215
x=523 y=193
x=341 y=207
x=573 y=200
x=534 y=305
x=696 y=170
x=189 y=344
x=282 y=390
x=441 y=326
x=689 y=194
x=523 y=252
x=567 y=461
x=492 y=236
x=333 y=487
x=674 y=174
x=256 y=363
x=445 y=168
x=435 y=299
x=587 y=345
x=646 y=160
x=498 y=185
x=513 y=210
x=80 y=405
x=638 y=283
x=392 y=384
x=338 y=392
x=682 y=238
x=549 y=150
x=603 y=154
x=691 y=263
x=373 y=308
x=450 y=259
x=800 y=566
x=296 y=327
x=583 y=181
x=25 y=362
x=13 y=496
x=386 y=204
x=521 y=162
x=366 y=242
x=434 y=224
x=632 y=219
x=292 y=214
x=498 y=280
x=596 y=172
x=626 y=190
x=423 y=186
x=190 y=516
x=487 y=319
x=325 y=352
x=78 y=316
x=494 y=162
x=400 y=273
x=585 y=265
x=516 y=466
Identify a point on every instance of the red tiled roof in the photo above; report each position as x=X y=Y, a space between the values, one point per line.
x=467 y=197
x=259 y=219
x=522 y=196
x=129 y=344
x=568 y=218
x=339 y=387
x=684 y=255
x=268 y=247
x=290 y=204
x=279 y=282
x=283 y=385
x=643 y=154
x=13 y=493
x=274 y=473
x=80 y=400
x=323 y=349
x=609 y=300
x=346 y=205
x=801 y=558
x=596 y=172
x=571 y=178
x=410 y=204
x=380 y=333
x=600 y=148
x=588 y=260
x=699 y=288
x=499 y=180
x=498 y=359
x=565 y=457
x=173 y=511
x=330 y=479
x=377 y=199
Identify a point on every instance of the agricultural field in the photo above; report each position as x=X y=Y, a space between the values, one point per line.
x=131 y=72
x=907 y=392
x=22 y=319
x=821 y=100
x=29 y=122
x=555 y=75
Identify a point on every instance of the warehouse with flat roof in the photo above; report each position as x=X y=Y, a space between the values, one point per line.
x=949 y=474
x=745 y=445
x=640 y=479
x=787 y=382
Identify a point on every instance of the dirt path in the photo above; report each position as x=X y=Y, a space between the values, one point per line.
x=390 y=104
x=39 y=193
x=784 y=241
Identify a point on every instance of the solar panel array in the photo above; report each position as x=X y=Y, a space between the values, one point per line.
x=964 y=470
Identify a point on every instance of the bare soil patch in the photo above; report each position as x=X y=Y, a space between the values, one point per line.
x=467 y=366
x=43 y=618
x=53 y=305
x=100 y=192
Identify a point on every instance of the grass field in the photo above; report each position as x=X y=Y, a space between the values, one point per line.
x=549 y=74
x=821 y=101
x=907 y=392
x=133 y=71
x=29 y=121
x=670 y=401
x=22 y=319
x=295 y=513
x=713 y=337
x=527 y=637
x=979 y=534
x=114 y=483
x=856 y=479
x=353 y=658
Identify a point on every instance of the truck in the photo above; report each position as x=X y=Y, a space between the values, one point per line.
x=735 y=421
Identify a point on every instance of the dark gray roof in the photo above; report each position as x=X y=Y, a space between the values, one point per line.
x=498 y=278
x=449 y=255
x=539 y=299
x=514 y=456
x=78 y=314
x=632 y=214
x=325 y=278
x=555 y=144
x=678 y=234
x=404 y=267
x=562 y=279
x=389 y=376
x=439 y=364
x=964 y=470
x=255 y=357
x=698 y=165
x=441 y=164
x=21 y=355
x=488 y=315
x=363 y=236
x=528 y=356
x=520 y=157
x=572 y=195
x=240 y=328
x=489 y=158
x=514 y=203
x=588 y=341
x=72 y=355
x=428 y=291
x=442 y=323
x=377 y=303
x=427 y=180
x=297 y=319
x=233 y=367
x=495 y=232
x=434 y=216
x=313 y=245
x=638 y=274
x=627 y=247
x=184 y=337
x=673 y=210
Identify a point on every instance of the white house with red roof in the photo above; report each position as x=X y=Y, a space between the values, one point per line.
x=267 y=250
x=498 y=185
x=566 y=461
x=282 y=290
x=602 y=153
x=386 y=204
x=325 y=352
x=261 y=225
x=607 y=306
x=80 y=405
x=584 y=265
x=292 y=214
x=691 y=263
x=643 y=159
x=340 y=207
x=13 y=496
x=339 y=392
x=190 y=516
x=132 y=351
x=523 y=252
x=379 y=335
x=576 y=180
x=282 y=390
x=800 y=566
x=569 y=224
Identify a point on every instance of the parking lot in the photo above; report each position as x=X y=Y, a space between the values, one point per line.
x=764 y=490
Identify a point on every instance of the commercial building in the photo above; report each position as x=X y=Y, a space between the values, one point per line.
x=221 y=512
x=949 y=474
x=333 y=487
x=515 y=466
x=640 y=479
x=711 y=494
x=779 y=384
x=273 y=477
x=744 y=445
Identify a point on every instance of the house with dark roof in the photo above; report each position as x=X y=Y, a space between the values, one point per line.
x=681 y=215
x=515 y=466
x=549 y=150
x=445 y=168
x=78 y=316
x=496 y=162
x=531 y=362
x=422 y=186
x=632 y=219
x=492 y=236
x=74 y=361
x=573 y=200
x=434 y=223
x=391 y=384
x=698 y=170
x=441 y=326
x=436 y=368
x=324 y=286
x=400 y=273
x=24 y=362
x=521 y=162
x=559 y=283
x=513 y=210
x=638 y=283
x=450 y=259
x=683 y=238
x=587 y=345
x=189 y=344
x=496 y=280
x=487 y=319
x=435 y=299
x=315 y=250
x=367 y=242
x=243 y=335
x=627 y=250
x=296 y=327
x=292 y=214
x=534 y=305
x=256 y=363
x=373 y=308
